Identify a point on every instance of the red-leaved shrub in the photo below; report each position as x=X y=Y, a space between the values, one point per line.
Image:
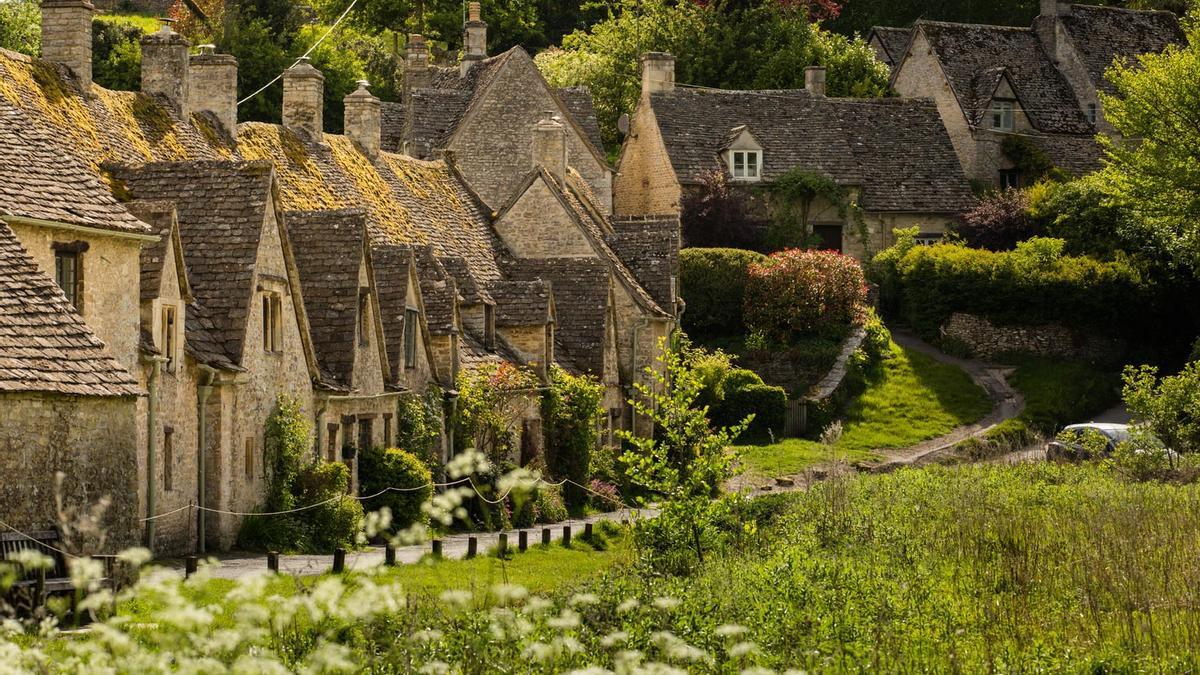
x=799 y=291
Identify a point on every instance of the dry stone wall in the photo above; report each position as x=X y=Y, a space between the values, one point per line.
x=988 y=340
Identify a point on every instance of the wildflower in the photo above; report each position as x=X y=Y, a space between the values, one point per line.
x=435 y=668
x=509 y=594
x=456 y=598
x=743 y=649
x=758 y=670
x=614 y=638
x=135 y=557
x=730 y=630
x=427 y=635
x=628 y=605
x=330 y=658
x=583 y=600
x=537 y=605
x=567 y=620
x=682 y=651
x=540 y=652
x=86 y=573
x=666 y=604
x=592 y=670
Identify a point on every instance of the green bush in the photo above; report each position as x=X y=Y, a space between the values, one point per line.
x=548 y=506
x=419 y=425
x=768 y=405
x=797 y=292
x=117 y=54
x=379 y=469
x=740 y=378
x=571 y=415
x=336 y=523
x=712 y=282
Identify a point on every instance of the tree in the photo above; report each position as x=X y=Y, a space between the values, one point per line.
x=20 y=26
x=1169 y=407
x=1153 y=172
x=999 y=222
x=716 y=214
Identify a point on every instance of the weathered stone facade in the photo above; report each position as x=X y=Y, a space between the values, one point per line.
x=990 y=340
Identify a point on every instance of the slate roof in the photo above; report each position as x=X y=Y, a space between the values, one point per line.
x=38 y=180
x=44 y=345
x=521 y=303
x=161 y=217
x=222 y=207
x=896 y=149
x=473 y=353
x=1077 y=155
x=580 y=105
x=391 y=265
x=892 y=43
x=438 y=292
x=329 y=249
x=580 y=287
x=1102 y=34
x=974 y=57
x=649 y=247
x=470 y=292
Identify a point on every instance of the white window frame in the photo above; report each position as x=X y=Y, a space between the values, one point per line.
x=746 y=165
x=1003 y=114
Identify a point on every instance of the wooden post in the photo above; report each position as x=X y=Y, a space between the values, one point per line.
x=472 y=546
x=566 y=542
x=339 y=560
x=39 y=593
x=437 y=548
x=389 y=555
x=587 y=531
x=502 y=545
x=189 y=566
x=273 y=561
x=545 y=536
x=523 y=541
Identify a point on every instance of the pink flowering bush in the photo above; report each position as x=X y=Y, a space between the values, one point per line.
x=799 y=291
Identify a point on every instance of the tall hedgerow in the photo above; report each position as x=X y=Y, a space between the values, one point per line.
x=571 y=420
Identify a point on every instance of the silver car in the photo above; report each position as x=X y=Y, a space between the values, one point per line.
x=1069 y=445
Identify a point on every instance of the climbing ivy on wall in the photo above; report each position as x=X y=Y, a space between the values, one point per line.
x=792 y=197
x=288 y=437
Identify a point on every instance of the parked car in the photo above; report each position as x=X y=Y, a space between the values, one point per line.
x=1070 y=446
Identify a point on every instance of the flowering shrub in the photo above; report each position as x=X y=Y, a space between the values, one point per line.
x=796 y=291
x=998 y=222
x=491 y=399
x=712 y=282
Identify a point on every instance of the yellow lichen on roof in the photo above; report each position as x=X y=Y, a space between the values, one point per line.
x=37 y=88
x=374 y=192
x=301 y=184
x=147 y=126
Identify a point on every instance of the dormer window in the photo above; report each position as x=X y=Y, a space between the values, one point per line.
x=746 y=164
x=1002 y=115
x=1091 y=112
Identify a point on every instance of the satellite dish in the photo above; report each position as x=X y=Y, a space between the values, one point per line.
x=623 y=124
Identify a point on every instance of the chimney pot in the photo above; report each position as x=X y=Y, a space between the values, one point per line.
x=165 y=64
x=550 y=147
x=814 y=80
x=212 y=87
x=303 y=93
x=658 y=73
x=363 y=119
x=67 y=37
x=474 y=37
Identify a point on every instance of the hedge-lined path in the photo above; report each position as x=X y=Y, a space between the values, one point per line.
x=237 y=564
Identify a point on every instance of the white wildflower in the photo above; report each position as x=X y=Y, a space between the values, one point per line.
x=567 y=620
x=330 y=658
x=757 y=670
x=743 y=649
x=427 y=635
x=509 y=594
x=537 y=605
x=455 y=598
x=434 y=668
x=727 y=630
x=135 y=557
x=666 y=604
x=583 y=600
x=592 y=670
x=86 y=572
x=628 y=605
x=614 y=638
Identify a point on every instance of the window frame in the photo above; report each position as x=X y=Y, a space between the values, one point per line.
x=272 y=311
x=364 y=317
x=168 y=336
x=1010 y=179
x=745 y=156
x=1002 y=110
x=76 y=267
x=249 y=459
x=168 y=459
x=1092 y=111
x=411 y=318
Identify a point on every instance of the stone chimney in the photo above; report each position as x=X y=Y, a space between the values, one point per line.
x=67 y=37
x=658 y=73
x=417 y=73
x=814 y=80
x=474 y=38
x=550 y=146
x=1055 y=8
x=213 y=87
x=363 y=119
x=165 y=65
x=303 y=95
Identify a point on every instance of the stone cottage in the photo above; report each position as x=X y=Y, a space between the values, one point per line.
x=1000 y=89
x=891 y=156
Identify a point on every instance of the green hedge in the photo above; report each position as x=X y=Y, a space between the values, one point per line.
x=712 y=281
x=1031 y=285
x=380 y=469
x=768 y=405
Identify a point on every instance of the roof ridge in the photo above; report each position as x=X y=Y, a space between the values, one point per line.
x=960 y=24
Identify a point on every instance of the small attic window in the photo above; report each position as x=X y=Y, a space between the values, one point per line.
x=746 y=164
x=1002 y=114
x=1091 y=113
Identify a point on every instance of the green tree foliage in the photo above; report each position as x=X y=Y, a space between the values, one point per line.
x=685 y=464
x=713 y=284
x=998 y=222
x=1155 y=175
x=20 y=26
x=491 y=400
x=571 y=415
x=405 y=477
x=419 y=425
x=288 y=438
x=117 y=54
x=1168 y=406
x=727 y=45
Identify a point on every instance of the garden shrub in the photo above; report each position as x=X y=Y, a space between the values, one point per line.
x=571 y=415
x=380 y=468
x=998 y=222
x=548 y=506
x=768 y=405
x=419 y=425
x=796 y=292
x=712 y=282
x=336 y=523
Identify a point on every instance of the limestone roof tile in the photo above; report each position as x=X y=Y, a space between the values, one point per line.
x=581 y=289
x=1103 y=34
x=522 y=303
x=391 y=263
x=894 y=42
x=649 y=247
x=580 y=105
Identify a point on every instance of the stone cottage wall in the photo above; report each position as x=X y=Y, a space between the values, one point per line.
x=645 y=181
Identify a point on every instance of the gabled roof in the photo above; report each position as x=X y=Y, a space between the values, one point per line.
x=392 y=269
x=893 y=42
x=470 y=291
x=474 y=353
x=329 y=247
x=972 y=57
x=222 y=209
x=522 y=303
x=897 y=150
x=162 y=218
x=439 y=292
x=1102 y=34
x=39 y=181
x=649 y=247
x=44 y=345
x=582 y=108
x=581 y=290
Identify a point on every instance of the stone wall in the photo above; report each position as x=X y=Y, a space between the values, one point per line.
x=645 y=181
x=538 y=226
x=91 y=440
x=989 y=340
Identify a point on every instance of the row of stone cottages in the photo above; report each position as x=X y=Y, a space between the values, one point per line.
x=166 y=273
x=974 y=104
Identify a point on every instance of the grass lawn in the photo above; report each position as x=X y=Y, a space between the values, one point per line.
x=914 y=399
x=1059 y=392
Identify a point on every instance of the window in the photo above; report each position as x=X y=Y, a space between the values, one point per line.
x=746 y=164
x=489 y=327
x=331 y=445
x=830 y=236
x=387 y=429
x=249 y=459
x=1091 y=112
x=410 y=338
x=364 y=317
x=1010 y=179
x=1002 y=115
x=66 y=273
x=168 y=459
x=167 y=340
x=366 y=434
x=272 y=315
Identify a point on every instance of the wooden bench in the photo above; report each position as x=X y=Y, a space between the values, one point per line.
x=34 y=586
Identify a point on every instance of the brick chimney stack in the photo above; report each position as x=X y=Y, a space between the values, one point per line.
x=474 y=37
x=303 y=94
x=67 y=37
x=213 y=87
x=363 y=119
x=550 y=146
x=658 y=73
x=814 y=80
x=165 y=66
